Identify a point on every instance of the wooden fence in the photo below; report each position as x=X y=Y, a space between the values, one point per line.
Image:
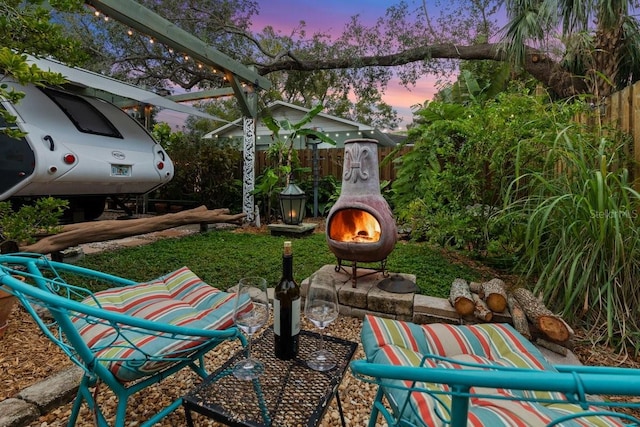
x=330 y=161
x=621 y=110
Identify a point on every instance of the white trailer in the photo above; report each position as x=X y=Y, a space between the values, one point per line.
x=77 y=147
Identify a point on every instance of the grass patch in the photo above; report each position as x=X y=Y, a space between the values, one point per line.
x=221 y=257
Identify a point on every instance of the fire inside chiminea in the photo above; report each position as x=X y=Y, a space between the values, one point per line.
x=360 y=226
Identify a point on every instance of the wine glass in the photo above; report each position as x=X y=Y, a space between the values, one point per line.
x=251 y=312
x=321 y=308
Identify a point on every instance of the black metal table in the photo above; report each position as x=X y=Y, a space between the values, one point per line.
x=289 y=393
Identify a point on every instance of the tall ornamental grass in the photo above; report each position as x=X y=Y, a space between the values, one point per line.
x=582 y=240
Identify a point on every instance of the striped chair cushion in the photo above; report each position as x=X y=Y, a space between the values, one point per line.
x=180 y=298
x=395 y=342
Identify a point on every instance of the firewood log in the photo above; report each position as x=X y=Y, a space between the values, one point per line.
x=553 y=326
x=476 y=288
x=460 y=297
x=495 y=295
x=98 y=231
x=481 y=311
x=518 y=318
x=556 y=348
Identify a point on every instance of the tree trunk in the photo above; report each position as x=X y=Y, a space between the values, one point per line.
x=548 y=323
x=98 y=231
x=495 y=295
x=460 y=297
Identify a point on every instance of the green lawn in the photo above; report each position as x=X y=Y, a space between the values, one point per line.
x=221 y=257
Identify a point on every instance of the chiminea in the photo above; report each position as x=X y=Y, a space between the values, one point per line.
x=360 y=226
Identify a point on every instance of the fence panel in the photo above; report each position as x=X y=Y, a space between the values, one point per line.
x=622 y=111
x=330 y=161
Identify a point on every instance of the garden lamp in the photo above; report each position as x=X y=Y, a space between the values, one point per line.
x=292 y=200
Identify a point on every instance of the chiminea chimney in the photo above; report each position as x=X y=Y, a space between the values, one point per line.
x=360 y=226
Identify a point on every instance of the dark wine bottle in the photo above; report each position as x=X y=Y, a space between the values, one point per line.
x=286 y=309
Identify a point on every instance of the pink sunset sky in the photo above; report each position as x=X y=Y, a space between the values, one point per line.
x=332 y=16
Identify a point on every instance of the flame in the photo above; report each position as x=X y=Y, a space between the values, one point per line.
x=354 y=225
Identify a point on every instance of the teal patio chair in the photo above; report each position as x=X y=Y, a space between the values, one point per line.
x=128 y=337
x=483 y=375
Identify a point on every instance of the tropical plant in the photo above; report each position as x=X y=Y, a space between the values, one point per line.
x=282 y=155
x=601 y=41
x=582 y=241
x=27 y=27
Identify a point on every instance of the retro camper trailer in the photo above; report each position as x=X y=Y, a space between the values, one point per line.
x=77 y=147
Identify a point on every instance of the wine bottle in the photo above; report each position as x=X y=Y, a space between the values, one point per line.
x=286 y=309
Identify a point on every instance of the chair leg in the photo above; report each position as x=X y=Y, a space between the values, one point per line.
x=83 y=395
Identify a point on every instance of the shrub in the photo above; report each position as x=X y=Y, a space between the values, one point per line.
x=582 y=239
x=207 y=171
x=464 y=157
x=42 y=217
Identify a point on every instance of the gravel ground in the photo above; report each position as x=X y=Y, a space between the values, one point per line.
x=356 y=396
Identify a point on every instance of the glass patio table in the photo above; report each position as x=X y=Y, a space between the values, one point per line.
x=289 y=393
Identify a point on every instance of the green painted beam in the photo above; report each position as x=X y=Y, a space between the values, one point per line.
x=153 y=25
x=204 y=94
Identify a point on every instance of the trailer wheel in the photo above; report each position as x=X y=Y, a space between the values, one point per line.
x=93 y=206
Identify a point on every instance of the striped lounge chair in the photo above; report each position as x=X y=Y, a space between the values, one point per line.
x=128 y=337
x=481 y=375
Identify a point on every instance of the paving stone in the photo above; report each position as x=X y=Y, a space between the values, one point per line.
x=360 y=313
x=345 y=310
x=387 y=302
x=55 y=390
x=354 y=297
x=428 y=305
x=16 y=413
x=424 y=318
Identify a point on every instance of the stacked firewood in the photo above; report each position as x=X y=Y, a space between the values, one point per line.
x=529 y=315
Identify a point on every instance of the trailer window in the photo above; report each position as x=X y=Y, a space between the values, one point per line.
x=84 y=116
x=17 y=159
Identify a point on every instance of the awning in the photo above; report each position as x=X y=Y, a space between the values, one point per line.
x=92 y=80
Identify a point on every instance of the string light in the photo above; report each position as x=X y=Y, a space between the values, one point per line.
x=130 y=31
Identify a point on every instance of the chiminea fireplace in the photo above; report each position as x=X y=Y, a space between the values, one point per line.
x=360 y=226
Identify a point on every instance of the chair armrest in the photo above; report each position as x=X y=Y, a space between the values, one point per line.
x=575 y=382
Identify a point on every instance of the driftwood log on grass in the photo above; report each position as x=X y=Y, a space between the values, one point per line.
x=98 y=231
